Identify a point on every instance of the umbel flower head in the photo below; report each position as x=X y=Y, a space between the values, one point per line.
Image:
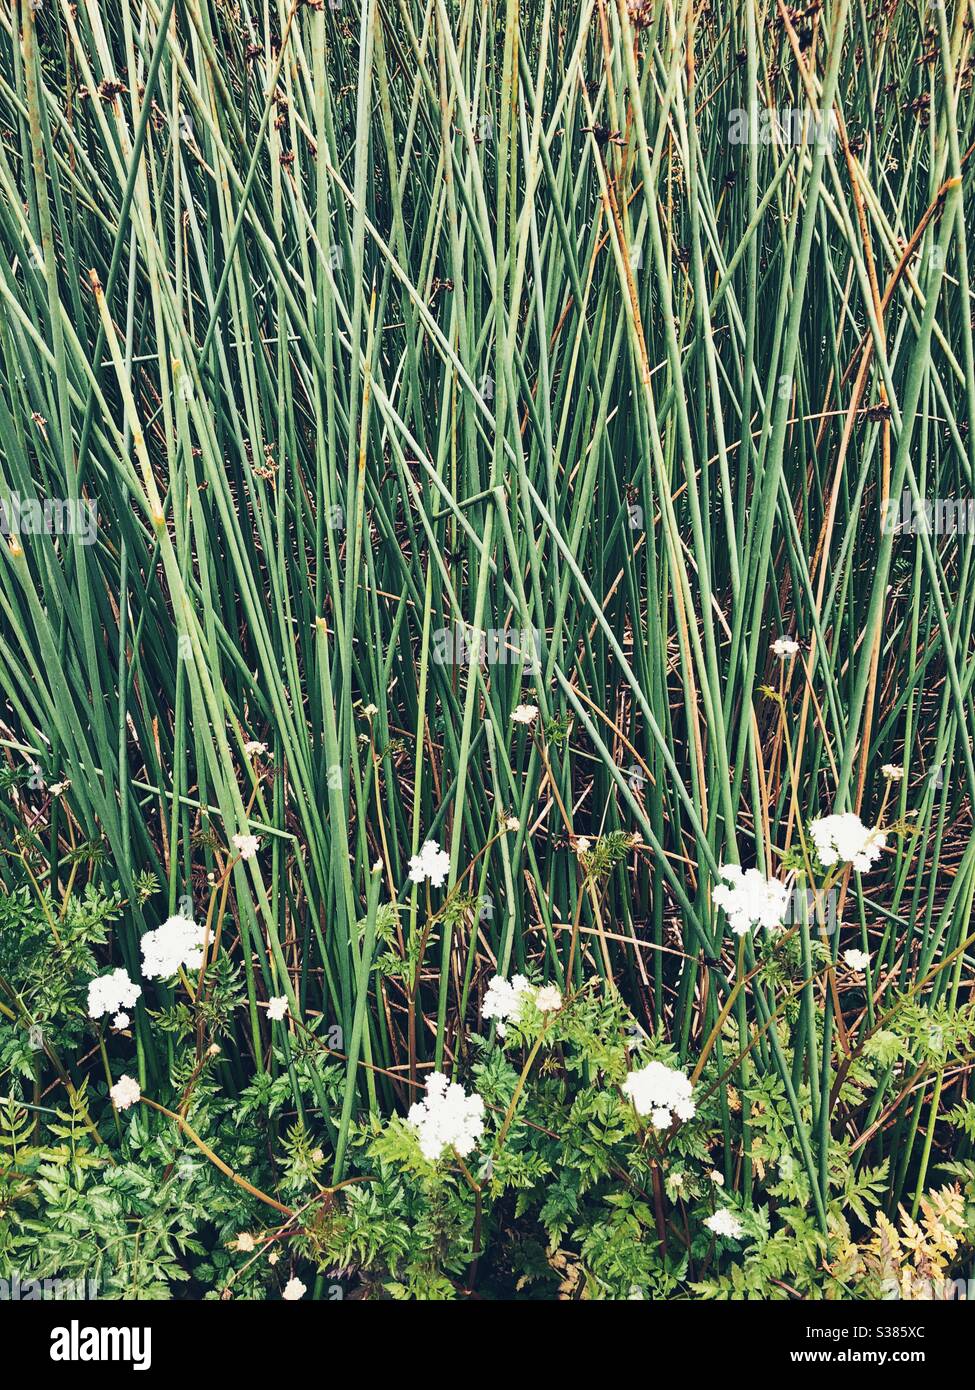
x=548 y=999
x=293 y=1290
x=784 y=646
x=856 y=960
x=844 y=839
x=277 y=1007
x=432 y=862
x=505 y=1000
x=125 y=1092
x=750 y=899
x=246 y=845
x=660 y=1092
x=724 y=1223
x=446 y=1118
x=177 y=943
x=111 y=993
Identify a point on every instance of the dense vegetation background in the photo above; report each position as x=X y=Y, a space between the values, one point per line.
x=347 y=333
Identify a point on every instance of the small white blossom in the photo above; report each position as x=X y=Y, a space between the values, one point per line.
x=525 y=714
x=724 y=1223
x=277 y=1007
x=253 y=749
x=505 y=1000
x=548 y=999
x=120 y=1021
x=177 y=943
x=109 y=994
x=246 y=845
x=293 y=1290
x=752 y=900
x=856 y=960
x=675 y=1185
x=844 y=839
x=660 y=1092
x=892 y=772
x=784 y=646
x=446 y=1118
x=125 y=1092
x=512 y=823
x=717 y=1178
x=245 y=1243
x=432 y=862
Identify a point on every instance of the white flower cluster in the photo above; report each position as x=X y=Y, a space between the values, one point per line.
x=125 y=1092
x=660 y=1092
x=432 y=862
x=110 y=994
x=178 y=942
x=277 y=1007
x=751 y=900
x=246 y=845
x=785 y=646
x=856 y=960
x=446 y=1118
x=548 y=1000
x=505 y=1000
x=724 y=1223
x=525 y=714
x=844 y=839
